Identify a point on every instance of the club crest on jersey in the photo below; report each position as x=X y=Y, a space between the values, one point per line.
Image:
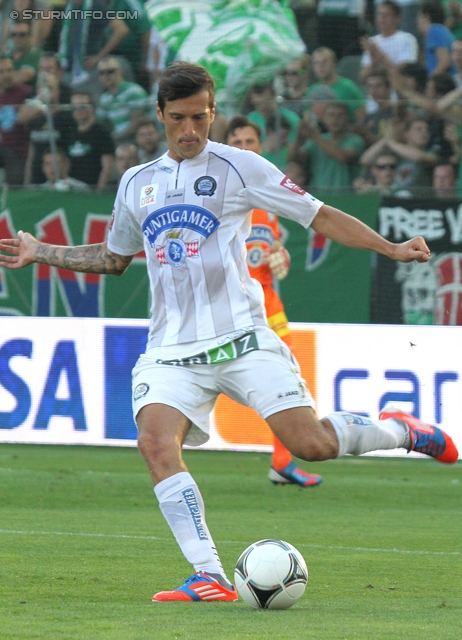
x=205 y=186
x=179 y=216
x=148 y=194
x=175 y=251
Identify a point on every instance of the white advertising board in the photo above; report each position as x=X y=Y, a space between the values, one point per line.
x=67 y=380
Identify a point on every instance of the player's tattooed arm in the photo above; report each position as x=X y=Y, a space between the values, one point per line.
x=91 y=258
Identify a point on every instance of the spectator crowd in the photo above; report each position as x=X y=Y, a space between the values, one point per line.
x=375 y=106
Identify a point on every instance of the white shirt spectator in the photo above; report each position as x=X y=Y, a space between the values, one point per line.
x=401 y=47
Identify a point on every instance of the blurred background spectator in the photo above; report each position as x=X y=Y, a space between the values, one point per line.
x=90 y=146
x=381 y=175
x=416 y=155
x=40 y=24
x=83 y=42
x=263 y=104
x=25 y=57
x=437 y=37
x=134 y=46
x=5 y=10
x=122 y=105
x=14 y=134
x=340 y=25
x=390 y=46
x=324 y=63
x=126 y=157
x=361 y=53
x=444 y=181
x=49 y=63
x=295 y=83
x=331 y=158
x=456 y=58
x=378 y=87
x=55 y=168
x=47 y=122
x=150 y=146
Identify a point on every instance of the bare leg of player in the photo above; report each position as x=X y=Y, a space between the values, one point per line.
x=161 y=433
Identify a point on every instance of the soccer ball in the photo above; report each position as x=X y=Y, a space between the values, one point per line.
x=271 y=574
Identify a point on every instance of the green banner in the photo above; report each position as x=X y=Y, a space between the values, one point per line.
x=328 y=282
x=67 y=219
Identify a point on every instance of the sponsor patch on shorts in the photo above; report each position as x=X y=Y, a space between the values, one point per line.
x=225 y=352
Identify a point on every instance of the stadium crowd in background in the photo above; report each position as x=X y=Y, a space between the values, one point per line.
x=388 y=61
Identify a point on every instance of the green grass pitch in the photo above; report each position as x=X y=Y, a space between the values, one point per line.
x=83 y=546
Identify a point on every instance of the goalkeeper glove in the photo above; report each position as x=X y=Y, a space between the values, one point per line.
x=279 y=263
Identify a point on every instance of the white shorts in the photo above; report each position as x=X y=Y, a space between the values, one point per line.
x=267 y=379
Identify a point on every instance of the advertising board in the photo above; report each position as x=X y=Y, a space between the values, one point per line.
x=68 y=380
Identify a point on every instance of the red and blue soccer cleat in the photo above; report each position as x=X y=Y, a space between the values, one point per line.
x=291 y=474
x=425 y=438
x=199 y=587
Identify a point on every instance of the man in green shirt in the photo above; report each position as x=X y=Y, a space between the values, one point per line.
x=263 y=100
x=332 y=157
x=123 y=104
x=25 y=57
x=324 y=63
x=134 y=47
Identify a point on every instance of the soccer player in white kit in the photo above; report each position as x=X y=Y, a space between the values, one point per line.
x=189 y=211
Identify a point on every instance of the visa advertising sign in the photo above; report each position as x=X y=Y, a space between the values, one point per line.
x=68 y=380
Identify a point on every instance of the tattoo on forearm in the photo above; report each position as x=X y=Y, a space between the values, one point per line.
x=89 y=258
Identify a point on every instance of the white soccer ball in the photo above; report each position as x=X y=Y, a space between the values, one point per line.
x=271 y=574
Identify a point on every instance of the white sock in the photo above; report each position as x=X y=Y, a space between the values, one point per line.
x=181 y=503
x=357 y=434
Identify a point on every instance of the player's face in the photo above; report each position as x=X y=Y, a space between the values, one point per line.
x=187 y=122
x=245 y=138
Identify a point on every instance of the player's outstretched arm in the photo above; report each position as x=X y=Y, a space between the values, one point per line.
x=345 y=229
x=90 y=258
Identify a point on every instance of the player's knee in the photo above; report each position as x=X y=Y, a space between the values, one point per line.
x=153 y=447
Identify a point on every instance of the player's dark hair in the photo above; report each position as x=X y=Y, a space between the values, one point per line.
x=434 y=11
x=239 y=122
x=182 y=80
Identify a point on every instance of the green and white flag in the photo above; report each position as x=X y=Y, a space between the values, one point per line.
x=240 y=42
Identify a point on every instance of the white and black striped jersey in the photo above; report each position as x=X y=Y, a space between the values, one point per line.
x=192 y=219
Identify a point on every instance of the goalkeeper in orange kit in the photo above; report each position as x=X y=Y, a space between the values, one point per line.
x=268 y=259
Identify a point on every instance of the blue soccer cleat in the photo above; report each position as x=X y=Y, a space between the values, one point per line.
x=425 y=438
x=291 y=474
x=200 y=587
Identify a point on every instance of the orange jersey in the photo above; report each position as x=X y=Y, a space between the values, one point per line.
x=265 y=230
